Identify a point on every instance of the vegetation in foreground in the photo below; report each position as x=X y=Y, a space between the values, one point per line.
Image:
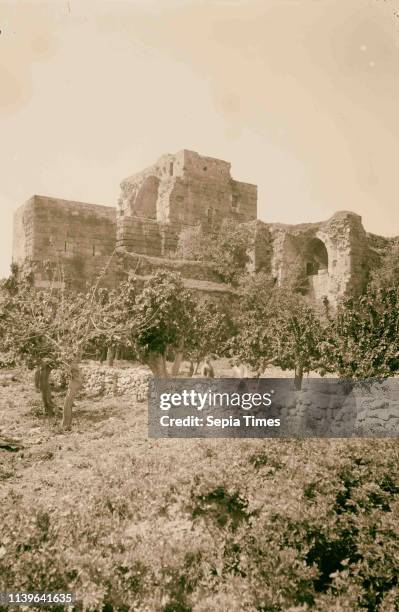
x=176 y=525
x=136 y=524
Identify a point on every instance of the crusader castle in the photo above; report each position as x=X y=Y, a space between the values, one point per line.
x=179 y=191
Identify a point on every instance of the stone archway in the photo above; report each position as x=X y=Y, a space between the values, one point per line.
x=316 y=257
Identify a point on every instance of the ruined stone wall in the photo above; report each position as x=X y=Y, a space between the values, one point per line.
x=378 y=408
x=346 y=244
x=179 y=190
x=260 y=247
x=327 y=260
x=378 y=249
x=358 y=410
x=54 y=227
x=138 y=235
x=77 y=238
x=23 y=233
x=73 y=244
x=145 y=265
x=146 y=236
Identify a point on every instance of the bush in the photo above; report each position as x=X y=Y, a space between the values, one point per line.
x=252 y=527
x=6 y=361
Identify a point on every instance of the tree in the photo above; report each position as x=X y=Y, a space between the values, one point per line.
x=160 y=320
x=113 y=335
x=51 y=329
x=276 y=327
x=22 y=312
x=296 y=335
x=211 y=328
x=251 y=344
x=362 y=341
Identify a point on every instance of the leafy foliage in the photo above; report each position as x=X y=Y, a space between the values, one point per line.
x=385 y=275
x=51 y=329
x=210 y=329
x=362 y=340
x=162 y=314
x=53 y=324
x=296 y=334
x=276 y=327
x=227 y=249
x=252 y=343
x=312 y=525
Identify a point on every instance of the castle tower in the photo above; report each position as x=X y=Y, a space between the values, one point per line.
x=180 y=190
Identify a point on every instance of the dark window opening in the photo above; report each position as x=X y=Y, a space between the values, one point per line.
x=317 y=257
x=65 y=247
x=311 y=268
x=94 y=249
x=171 y=168
x=205 y=168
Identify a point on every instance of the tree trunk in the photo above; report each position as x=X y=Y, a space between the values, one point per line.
x=157 y=363
x=117 y=353
x=177 y=363
x=178 y=359
x=298 y=377
x=75 y=382
x=103 y=354
x=37 y=379
x=110 y=355
x=44 y=386
x=191 y=370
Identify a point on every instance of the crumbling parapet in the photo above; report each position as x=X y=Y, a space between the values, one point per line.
x=346 y=245
x=325 y=261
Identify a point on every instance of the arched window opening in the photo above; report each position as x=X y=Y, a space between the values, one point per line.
x=316 y=257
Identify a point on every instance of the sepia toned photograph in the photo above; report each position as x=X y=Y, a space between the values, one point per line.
x=199 y=305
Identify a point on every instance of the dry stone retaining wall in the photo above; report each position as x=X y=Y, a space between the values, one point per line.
x=319 y=408
x=102 y=380
x=362 y=410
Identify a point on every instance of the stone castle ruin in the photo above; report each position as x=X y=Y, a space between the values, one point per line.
x=330 y=258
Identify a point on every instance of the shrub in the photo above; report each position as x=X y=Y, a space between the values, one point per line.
x=302 y=523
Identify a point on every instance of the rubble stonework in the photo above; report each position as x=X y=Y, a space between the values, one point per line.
x=328 y=260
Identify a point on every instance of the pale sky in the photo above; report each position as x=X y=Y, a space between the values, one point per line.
x=301 y=96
